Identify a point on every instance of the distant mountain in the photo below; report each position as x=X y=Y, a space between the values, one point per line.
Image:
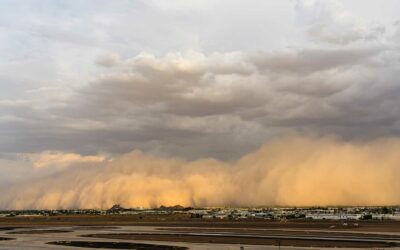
x=176 y=207
x=116 y=208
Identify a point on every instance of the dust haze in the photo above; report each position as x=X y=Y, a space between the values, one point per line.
x=288 y=171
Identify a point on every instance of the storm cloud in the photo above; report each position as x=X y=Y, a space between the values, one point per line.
x=227 y=102
x=186 y=84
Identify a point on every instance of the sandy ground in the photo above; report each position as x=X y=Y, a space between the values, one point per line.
x=38 y=241
x=248 y=239
x=182 y=220
x=35 y=232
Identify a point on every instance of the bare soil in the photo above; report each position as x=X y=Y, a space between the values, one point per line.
x=116 y=245
x=7 y=228
x=40 y=232
x=294 y=232
x=182 y=220
x=245 y=240
x=2 y=238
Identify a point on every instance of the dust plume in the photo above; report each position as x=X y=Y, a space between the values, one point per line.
x=290 y=171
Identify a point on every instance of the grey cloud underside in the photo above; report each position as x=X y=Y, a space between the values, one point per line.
x=328 y=22
x=220 y=105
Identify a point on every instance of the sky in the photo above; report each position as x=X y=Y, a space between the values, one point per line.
x=85 y=85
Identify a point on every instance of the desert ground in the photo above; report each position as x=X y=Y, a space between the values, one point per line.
x=182 y=232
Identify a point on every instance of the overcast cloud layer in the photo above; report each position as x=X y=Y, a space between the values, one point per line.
x=84 y=82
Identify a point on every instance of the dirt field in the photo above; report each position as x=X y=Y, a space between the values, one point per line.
x=2 y=238
x=185 y=221
x=243 y=240
x=116 y=245
x=260 y=231
x=40 y=232
x=181 y=228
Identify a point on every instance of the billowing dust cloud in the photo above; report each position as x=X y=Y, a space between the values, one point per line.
x=291 y=171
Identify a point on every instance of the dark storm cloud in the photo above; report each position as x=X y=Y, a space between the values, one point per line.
x=83 y=83
x=225 y=102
